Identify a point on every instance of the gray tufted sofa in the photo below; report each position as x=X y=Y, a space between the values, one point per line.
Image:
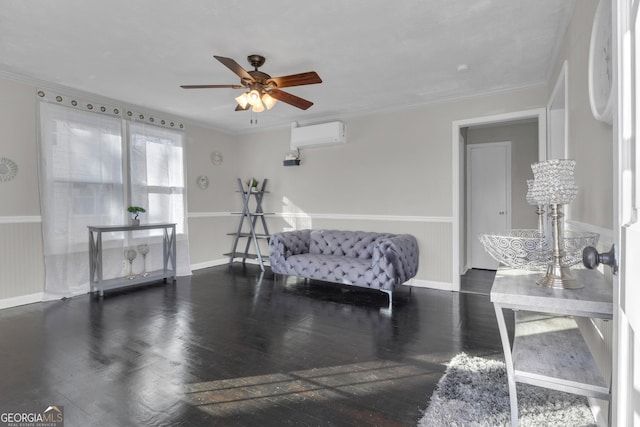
x=380 y=261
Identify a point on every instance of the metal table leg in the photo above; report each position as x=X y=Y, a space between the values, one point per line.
x=508 y=359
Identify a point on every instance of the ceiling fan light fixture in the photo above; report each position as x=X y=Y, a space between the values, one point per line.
x=268 y=101
x=242 y=100
x=259 y=85
x=253 y=97
x=258 y=107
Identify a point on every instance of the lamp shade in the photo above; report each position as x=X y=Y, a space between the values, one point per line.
x=253 y=97
x=553 y=182
x=530 y=198
x=268 y=100
x=242 y=100
x=258 y=107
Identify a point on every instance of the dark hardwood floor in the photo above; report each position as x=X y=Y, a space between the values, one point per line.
x=477 y=281
x=226 y=348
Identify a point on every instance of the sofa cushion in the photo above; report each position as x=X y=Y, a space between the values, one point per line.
x=354 y=244
x=330 y=268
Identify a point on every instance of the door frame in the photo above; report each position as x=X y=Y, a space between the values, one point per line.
x=458 y=179
x=469 y=147
x=625 y=369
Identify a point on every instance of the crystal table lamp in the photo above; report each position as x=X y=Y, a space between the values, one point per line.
x=554 y=185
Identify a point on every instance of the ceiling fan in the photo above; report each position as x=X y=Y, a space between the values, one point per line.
x=263 y=90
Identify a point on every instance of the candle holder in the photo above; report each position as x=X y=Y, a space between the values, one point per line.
x=539 y=208
x=554 y=185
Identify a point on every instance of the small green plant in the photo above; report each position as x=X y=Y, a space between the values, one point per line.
x=252 y=183
x=135 y=210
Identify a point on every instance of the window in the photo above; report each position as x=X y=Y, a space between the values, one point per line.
x=157 y=174
x=84 y=180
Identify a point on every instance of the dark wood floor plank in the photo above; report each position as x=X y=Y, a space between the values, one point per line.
x=225 y=347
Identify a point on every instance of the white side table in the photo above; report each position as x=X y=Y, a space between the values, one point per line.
x=546 y=351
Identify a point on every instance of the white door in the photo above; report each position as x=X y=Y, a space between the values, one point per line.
x=626 y=357
x=488 y=197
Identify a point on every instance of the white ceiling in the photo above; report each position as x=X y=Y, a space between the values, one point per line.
x=372 y=55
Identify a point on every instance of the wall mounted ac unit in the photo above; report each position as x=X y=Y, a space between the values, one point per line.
x=320 y=135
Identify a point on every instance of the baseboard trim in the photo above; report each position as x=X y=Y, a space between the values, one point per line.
x=421 y=283
x=211 y=263
x=21 y=300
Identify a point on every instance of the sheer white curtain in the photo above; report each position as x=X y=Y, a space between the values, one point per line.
x=157 y=175
x=81 y=184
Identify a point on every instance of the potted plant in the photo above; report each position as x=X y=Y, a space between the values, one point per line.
x=252 y=184
x=135 y=211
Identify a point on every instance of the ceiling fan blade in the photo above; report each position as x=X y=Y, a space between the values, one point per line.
x=239 y=107
x=235 y=67
x=211 y=86
x=283 y=96
x=308 y=78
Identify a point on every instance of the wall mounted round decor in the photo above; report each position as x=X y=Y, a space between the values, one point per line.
x=203 y=182
x=216 y=157
x=8 y=169
x=600 y=76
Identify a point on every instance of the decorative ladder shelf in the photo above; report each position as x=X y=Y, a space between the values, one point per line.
x=253 y=218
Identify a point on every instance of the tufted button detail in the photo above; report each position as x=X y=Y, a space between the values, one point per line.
x=376 y=260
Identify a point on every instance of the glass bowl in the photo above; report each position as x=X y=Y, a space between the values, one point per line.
x=528 y=249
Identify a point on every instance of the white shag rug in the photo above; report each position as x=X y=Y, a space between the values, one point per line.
x=473 y=392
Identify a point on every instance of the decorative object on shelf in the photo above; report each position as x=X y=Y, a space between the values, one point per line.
x=554 y=185
x=529 y=249
x=216 y=158
x=203 y=182
x=135 y=211
x=144 y=250
x=292 y=158
x=252 y=184
x=131 y=255
x=8 y=169
x=601 y=64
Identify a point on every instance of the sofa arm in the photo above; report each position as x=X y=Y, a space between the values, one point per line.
x=283 y=245
x=396 y=257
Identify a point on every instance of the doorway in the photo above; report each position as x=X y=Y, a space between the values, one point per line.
x=459 y=138
x=488 y=208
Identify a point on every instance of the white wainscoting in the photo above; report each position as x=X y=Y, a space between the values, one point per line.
x=21 y=260
x=433 y=235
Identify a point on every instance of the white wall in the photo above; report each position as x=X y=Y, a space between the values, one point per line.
x=590 y=141
x=591 y=145
x=394 y=174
